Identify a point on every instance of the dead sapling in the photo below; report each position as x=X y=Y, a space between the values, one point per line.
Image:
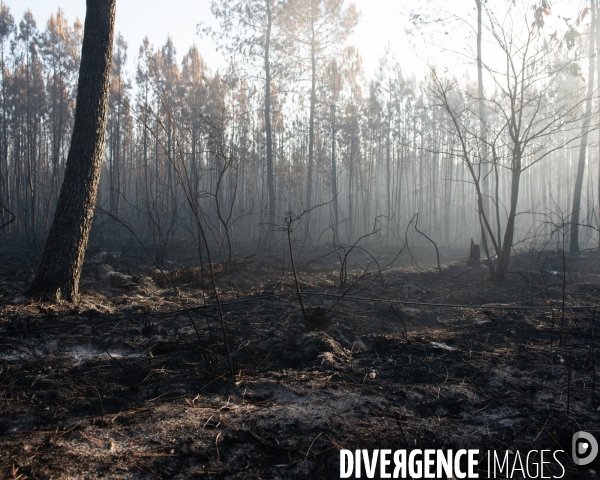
x=290 y=219
x=344 y=262
x=562 y=229
x=403 y=324
x=177 y=159
x=437 y=252
x=344 y=252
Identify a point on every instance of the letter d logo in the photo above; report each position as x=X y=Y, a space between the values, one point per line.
x=585 y=448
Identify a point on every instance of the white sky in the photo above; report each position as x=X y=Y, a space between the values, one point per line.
x=381 y=22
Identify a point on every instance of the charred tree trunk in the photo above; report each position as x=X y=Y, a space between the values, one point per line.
x=484 y=165
x=311 y=134
x=60 y=269
x=575 y=215
x=334 y=182
x=597 y=31
x=509 y=232
x=268 y=130
x=388 y=164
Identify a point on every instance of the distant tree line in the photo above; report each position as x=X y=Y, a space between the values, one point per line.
x=294 y=122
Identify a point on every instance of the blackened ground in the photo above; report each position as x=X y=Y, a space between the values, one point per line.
x=131 y=383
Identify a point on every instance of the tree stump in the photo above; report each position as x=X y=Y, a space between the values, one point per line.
x=474 y=254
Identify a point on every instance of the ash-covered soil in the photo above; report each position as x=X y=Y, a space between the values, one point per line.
x=134 y=381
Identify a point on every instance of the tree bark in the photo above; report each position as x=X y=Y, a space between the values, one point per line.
x=597 y=24
x=484 y=166
x=574 y=241
x=60 y=269
x=311 y=130
x=268 y=130
x=388 y=162
x=509 y=232
x=334 y=188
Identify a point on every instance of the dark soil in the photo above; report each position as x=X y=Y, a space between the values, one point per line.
x=133 y=381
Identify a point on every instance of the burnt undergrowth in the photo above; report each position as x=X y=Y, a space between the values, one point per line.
x=133 y=383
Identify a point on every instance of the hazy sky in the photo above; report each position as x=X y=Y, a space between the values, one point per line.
x=381 y=22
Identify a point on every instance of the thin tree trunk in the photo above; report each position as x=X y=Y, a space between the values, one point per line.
x=598 y=82
x=334 y=189
x=485 y=180
x=388 y=164
x=574 y=244
x=510 y=222
x=311 y=133
x=269 y=139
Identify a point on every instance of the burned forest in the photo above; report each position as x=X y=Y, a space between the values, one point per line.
x=288 y=253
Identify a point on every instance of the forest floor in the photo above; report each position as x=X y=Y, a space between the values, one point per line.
x=134 y=382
